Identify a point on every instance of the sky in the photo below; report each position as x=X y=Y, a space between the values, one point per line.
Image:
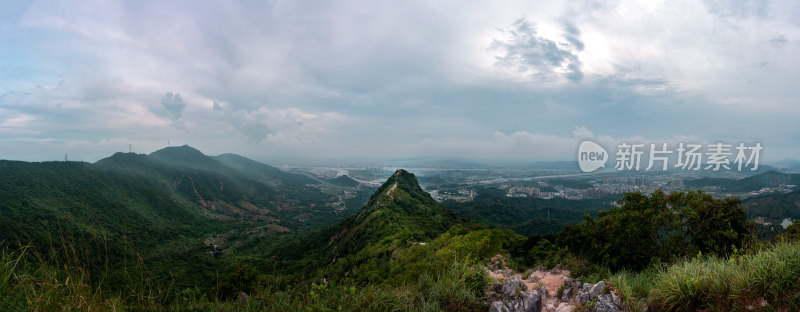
x=283 y=81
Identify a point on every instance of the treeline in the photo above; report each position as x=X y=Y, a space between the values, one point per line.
x=526 y=215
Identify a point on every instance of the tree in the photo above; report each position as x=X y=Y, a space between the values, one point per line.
x=658 y=227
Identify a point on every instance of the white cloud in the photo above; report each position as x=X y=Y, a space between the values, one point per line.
x=286 y=76
x=284 y=126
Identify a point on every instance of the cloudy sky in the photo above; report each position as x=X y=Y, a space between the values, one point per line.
x=483 y=80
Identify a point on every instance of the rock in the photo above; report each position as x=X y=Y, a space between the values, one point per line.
x=529 y=301
x=598 y=289
x=605 y=303
x=497 y=287
x=616 y=299
x=587 y=287
x=566 y=295
x=582 y=298
x=526 y=301
x=565 y=307
x=511 y=286
x=498 y=306
x=543 y=292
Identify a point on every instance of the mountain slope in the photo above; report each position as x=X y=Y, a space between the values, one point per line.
x=748 y=184
x=187 y=156
x=344 y=180
x=231 y=186
x=361 y=248
x=774 y=206
x=104 y=216
x=264 y=173
x=174 y=209
x=399 y=212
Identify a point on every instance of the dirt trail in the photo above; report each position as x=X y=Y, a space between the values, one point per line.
x=392 y=190
x=202 y=201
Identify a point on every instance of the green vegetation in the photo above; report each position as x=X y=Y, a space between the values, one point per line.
x=128 y=210
x=31 y=285
x=182 y=231
x=525 y=215
x=748 y=184
x=344 y=180
x=774 y=206
x=766 y=280
x=660 y=228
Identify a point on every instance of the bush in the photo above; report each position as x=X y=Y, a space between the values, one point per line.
x=660 y=228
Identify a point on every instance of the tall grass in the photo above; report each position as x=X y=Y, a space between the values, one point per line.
x=67 y=276
x=29 y=282
x=768 y=280
x=633 y=287
x=30 y=285
x=460 y=287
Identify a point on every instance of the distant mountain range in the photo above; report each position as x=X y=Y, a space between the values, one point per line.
x=748 y=184
x=155 y=205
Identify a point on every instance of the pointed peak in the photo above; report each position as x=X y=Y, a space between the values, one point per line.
x=402 y=179
x=402 y=172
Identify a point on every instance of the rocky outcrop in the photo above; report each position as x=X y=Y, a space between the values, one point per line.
x=545 y=290
x=607 y=303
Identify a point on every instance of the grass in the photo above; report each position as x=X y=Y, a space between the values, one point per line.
x=460 y=287
x=634 y=288
x=30 y=283
x=27 y=286
x=767 y=280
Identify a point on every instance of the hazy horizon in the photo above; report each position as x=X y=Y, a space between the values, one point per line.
x=358 y=80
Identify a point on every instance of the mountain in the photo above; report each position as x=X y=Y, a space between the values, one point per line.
x=175 y=208
x=790 y=164
x=774 y=206
x=526 y=215
x=344 y=180
x=361 y=248
x=187 y=156
x=748 y=184
x=231 y=185
x=104 y=216
x=263 y=173
x=400 y=211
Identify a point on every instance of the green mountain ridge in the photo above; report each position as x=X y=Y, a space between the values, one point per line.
x=168 y=207
x=362 y=248
x=748 y=184
x=344 y=180
x=187 y=156
x=399 y=210
x=774 y=206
